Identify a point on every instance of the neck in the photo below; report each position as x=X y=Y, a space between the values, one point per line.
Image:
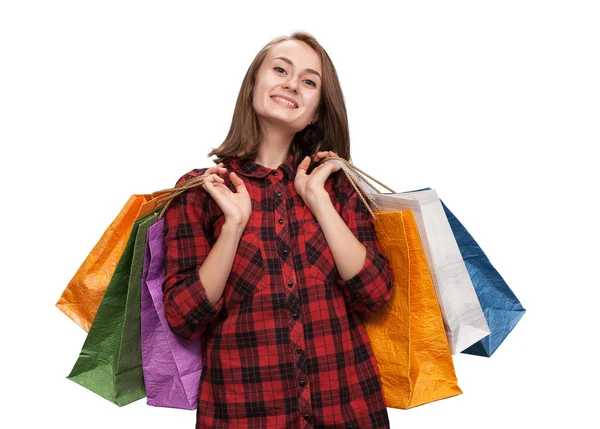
x=274 y=146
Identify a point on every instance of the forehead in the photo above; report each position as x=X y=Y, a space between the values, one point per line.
x=299 y=53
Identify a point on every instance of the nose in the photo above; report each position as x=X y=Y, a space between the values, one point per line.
x=291 y=84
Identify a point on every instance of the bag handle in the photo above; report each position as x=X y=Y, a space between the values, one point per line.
x=351 y=170
x=348 y=168
x=171 y=193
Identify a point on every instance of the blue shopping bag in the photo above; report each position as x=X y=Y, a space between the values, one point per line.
x=500 y=306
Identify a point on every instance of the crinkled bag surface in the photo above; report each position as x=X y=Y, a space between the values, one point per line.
x=464 y=321
x=407 y=335
x=110 y=362
x=501 y=307
x=82 y=296
x=171 y=366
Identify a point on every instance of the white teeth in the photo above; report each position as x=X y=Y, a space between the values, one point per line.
x=289 y=103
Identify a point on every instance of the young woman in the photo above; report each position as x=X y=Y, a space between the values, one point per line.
x=269 y=263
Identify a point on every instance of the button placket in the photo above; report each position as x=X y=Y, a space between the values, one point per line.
x=280 y=190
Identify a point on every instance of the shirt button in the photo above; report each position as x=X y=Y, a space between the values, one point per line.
x=274 y=173
x=298 y=350
x=306 y=416
x=278 y=194
x=280 y=220
x=295 y=315
x=285 y=251
x=302 y=382
x=290 y=284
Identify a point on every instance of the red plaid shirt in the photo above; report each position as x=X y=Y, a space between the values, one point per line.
x=284 y=346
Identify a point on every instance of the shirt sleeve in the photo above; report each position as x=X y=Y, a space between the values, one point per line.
x=371 y=288
x=187 y=309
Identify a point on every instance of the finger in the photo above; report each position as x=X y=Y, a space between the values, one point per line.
x=239 y=184
x=330 y=154
x=214 y=178
x=319 y=154
x=211 y=181
x=221 y=171
x=215 y=170
x=324 y=154
x=303 y=165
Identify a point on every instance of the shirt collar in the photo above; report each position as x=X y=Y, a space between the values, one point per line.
x=248 y=168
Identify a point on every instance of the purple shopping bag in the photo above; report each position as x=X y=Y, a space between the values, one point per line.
x=171 y=366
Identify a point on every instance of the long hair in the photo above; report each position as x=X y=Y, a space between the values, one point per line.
x=329 y=132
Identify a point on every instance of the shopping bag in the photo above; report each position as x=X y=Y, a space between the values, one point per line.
x=110 y=361
x=407 y=335
x=501 y=307
x=464 y=321
x=171 y=366
x=82 y=296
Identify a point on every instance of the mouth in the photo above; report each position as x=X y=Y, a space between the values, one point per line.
x=284 y=102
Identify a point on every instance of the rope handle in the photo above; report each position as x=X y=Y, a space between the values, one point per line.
x=166 y=196
x=357 y=186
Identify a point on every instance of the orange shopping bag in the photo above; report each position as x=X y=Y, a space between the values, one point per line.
x=81 y=298
x=407 y=335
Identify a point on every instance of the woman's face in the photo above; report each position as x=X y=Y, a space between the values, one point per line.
x=289 y=70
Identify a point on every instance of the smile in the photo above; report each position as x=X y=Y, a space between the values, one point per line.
x=284 y=102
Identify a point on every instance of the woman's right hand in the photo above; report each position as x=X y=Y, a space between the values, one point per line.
x=235 y=206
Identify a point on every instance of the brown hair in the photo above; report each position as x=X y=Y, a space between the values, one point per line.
x=329 y=132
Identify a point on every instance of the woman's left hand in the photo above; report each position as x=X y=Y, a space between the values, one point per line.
x=311 y=186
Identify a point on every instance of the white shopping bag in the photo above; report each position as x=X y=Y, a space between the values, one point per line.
x=464 y=320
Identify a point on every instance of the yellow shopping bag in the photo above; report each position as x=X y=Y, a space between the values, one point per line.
x=407 y=335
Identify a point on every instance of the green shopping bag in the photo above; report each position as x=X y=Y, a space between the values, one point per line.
x=110 y=362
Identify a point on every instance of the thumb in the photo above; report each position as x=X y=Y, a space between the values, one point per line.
x=304 y=164
x=239 y=184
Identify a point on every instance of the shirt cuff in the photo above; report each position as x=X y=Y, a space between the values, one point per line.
x=368 y=274
x=197 y=308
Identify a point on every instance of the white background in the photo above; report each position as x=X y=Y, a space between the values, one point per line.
x=493 y=104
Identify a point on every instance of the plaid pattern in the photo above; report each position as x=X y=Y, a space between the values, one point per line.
x=283 y=347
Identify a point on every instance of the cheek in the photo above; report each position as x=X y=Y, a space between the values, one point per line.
x=311 y=107
x=313 y=103
x=259 y=97
x=262 y=89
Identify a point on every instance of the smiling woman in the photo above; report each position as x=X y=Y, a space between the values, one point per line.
x=284 y=98
x=299 y=70
x=270 y=263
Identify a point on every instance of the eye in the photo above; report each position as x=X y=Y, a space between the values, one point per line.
x=307 y=80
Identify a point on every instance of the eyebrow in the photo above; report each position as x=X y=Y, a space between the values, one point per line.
x=291 y=63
